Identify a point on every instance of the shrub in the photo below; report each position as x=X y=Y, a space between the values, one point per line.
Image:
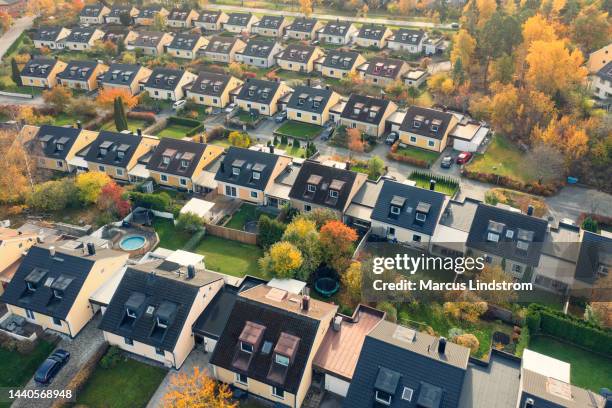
x=270 y=231
x=216 y=133
x=590 y=224
x=148 y=117
x=454 y=332
x=405 y=159
x=189 y=222
x=111 y=358
x=53 y=195
x=467 y=340
x=523 y=341
x=157 y=201
x=388 y=308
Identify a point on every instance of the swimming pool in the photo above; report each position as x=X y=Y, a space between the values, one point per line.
x=132 y=242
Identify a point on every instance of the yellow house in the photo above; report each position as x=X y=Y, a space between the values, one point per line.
x=117 y=153
x=303 y=28
x=598 y=59
x=223 y=49
x=52 y=286
x=182 y=18
x=238 y=23
x=41 y=72
x=146 y=16
x=247 y=174
x=426 y=128
x=125 y=76
x=339 y=64
x=269 y=344
x=261 y=96
x=93 y=13
x=384 y=71
x=311 y=105
x=83 y=38
x=151 y=42
x=186 y=45
x=168 y=84
x=299 y=58
x=13 y=245
x=211 y=20
x=373 y=36
x=81 y=75
x=176 y=163
x=367 y=114
x=270 y=26
x=212 y=89
x=155 y=306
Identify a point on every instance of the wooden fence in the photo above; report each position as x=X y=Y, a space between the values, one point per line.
x=232 y=234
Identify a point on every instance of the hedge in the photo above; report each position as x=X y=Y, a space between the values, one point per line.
x=410 y=160
x=541 y=319
x=196 y=125
x=426 y=177
x=157 y=201
x=545 y=190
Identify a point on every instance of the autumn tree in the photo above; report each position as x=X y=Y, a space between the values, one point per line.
x=545 y=162
x=239 y=139
x=58 y=97
x=53 y=195
x=351 y=279
x=553 y=68
x=89 y=186
x=17 y=169
x=303 y=233
x=159 y=22
x=592 y=28
x=189 y=222
x=537 y=28
x=112 y=200
x=106 y=98
x=467 y=340
x=491 y=274
x=197 y=390
x=283 y=260
x=306 y=7
x=464 y=46
x=565 y=134
x=406 y=6
x=5 y=21
x=337 y=240
x=119 y=116
x=465 y=311
x=355 y=140
x=320 y=216
x=42 y=7
x=376 y=167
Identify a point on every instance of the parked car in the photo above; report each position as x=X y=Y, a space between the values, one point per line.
x=464 y=157
x=454 y=25
x=51 y=366
x=230 y=108
x=391 y=138
x=327 y=133
x=281 y=117
x=179 y=104
x=447 y=162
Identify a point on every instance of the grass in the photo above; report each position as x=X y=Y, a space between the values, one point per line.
x=443 y=184
x=245 y=213
x=589 y=370
x=16 y=369
x=63 y=119
x=502 y=158
x=245 y=117
x=174 y=131
x=137 y=382
x=419 y=154
x=133 y=124
x=229 y=257
x=292 y=151
x=169 y=236
x=299 y=130
x=517 y=199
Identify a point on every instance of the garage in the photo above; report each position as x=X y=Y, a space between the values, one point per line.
x=336 y=385
x=469 y=137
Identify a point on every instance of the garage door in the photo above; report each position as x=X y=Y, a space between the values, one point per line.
x=209 y=344
x=336 y=385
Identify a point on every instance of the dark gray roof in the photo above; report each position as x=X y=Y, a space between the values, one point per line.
x=426 y=122
x=412 y=202
x=78 y=70
x=606 y=72
x=183 y=157
x=149 y=11
x=121 y=74
x=81 y=34
x=340 y=59
x=272 y=22
x=408 y=36
x=49 y=138
x=113 y=149
x=258 y=48
x=595 y=250
x=220 y=45
x=258 y=90
x=47 y=33
x=164 y=78
x=365 y=109
x=385 y=67
x=38 y=67
x=148 y=39
x=339 y=28
x=210 y=83
x=118 y=9
x=184 y=41
x=92 y=10
x=179 y=15
x=304 y=25
x=296 y=53
x=495 y=385
x=209 y=16
x=519 y=236
x=239 y=19
x=325 y=179
x=276 y=322
x=372 y=31
x=247 y=161
x=309 y=99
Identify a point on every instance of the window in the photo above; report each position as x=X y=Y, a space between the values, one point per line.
x=29 y=314
x=314 y=117
x=382 y=397
x=254 y=194
x=128 y=341
x=59 y=164
x=256 y=175
x=163 y=177
x=57 y=321
x=278 y=392
x=431 y=143
x=522 y=245
x=307 y=207
x=246 y=347
x=412 y=139
x=235 y=171
x=395 y=210
x=298 y=114
x=312 y=188
x=282 y=360
x=517 y=268
x=416 y=238
x=391 y=231
x=183 y=181
x=101 y=168
x=242 y=379
x=159 y=351
x=492 y=237
x=230 y=191
x=119 y=172
x=420 y=217
x=333 y=193
x=407 y=394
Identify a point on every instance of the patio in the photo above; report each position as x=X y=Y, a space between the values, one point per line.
x=19 y=328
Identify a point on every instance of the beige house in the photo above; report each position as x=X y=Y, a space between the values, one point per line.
x=52 y=286
x=270 y=26
x=93 y=14
x=50 y=37
x=13 y=245
x=269 y=344
x=340 y=64
x=150 y=42
x=338 y=32
x=81 y=75
x=168 y=84
x=212 y=89
x=311 y=105
x=181 y=18
x=261 y=96
x=119 y=10
x=303 y=28
x=426 y=128
x=223 y=49
x=384 y=71
x=125 y=76
x=299 y=58
x=598 y=59
x=41 y=72
x=146 y=16
x=83 y=38
x=186 y=45
x=211 y=20
x=239 y=22
x=367 y=114
x=259 y=53
x=373 y=36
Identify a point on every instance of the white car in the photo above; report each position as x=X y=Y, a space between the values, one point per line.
x=230 y=108
x=179 y=104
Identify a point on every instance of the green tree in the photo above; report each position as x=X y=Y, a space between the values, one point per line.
x=119 y=115
x=270 y=231
x=189 y=222
x=458 y=74
x=303 y=233
x=15 y=74
x=54 y=195
x=376 y=166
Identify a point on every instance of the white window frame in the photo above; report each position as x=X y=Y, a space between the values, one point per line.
x=381 y=400
x=239 y=380
x=242 y=344
x=163 y=177
x=410 y=393
x=333 y=193
x=183 y=181
x=276 y=360
x=311 y=188
x=395 y=210
x=275 y=393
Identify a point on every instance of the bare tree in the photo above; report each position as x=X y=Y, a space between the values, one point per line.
x=545 y=162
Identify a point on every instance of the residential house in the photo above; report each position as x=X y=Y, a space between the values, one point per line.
x=303 y=28
x=212 y=89
x=373 y=36
x=407 y=40
x=83 y=38
x=311 y=105
x=407 y=214
x=426 y=128
x=125 y=76
x=601 y=82
x=595 y=256
x=211 y=20
x=182 y=18
x=146 y=15
x=122 y=13
x=269 y=343
x=176 y=163
x=598 y=59
x=119 y=35
x=270 y=26
x=168 y=84
x=299 y=58
x=246 y=174
x=93 y=13
x=41 y=72
x=50 y=37
x=415 y=77
x=261 y=96
x=55 y=147
x=320 y=186
x=259 y=53
x=434 y=45
x=155 y=306
x=400 y=367
x=367 y=114
x=340 y=64
x=117 y=153
x=81 y=75
x=52 y=286
x=151 y=42
x=13 y=245
x=239 y=22
x=186 y=45
x=338 y=32
x=223 y=49
x=384 y=71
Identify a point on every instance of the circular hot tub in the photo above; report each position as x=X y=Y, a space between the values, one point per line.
x=132 y=242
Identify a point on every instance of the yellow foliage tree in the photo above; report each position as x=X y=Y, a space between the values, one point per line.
x=467 y=340
x=17 y=169
x=553 y=68
x=464 y=46
x=565 y=134
x=466 y=311
x=90 y=184
x=351 y=279
x=106 y=98
x=537 y=28
x=306 y=7
x=197 y=390
x=239 y=139
x=282 y=260
x=486 y=9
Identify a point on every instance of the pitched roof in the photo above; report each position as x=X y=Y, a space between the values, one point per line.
x=39 y=67
x=182 y=157
x=511 y=235
x=258 y=48
x=258 y=90
x=47 y=33
x=340 y=59
x=239 y=19
x=324 y=179
x=148 y=39
x=81 y=34
x=247 y=162
x=304 y=24
x=164 y=78
x=184 y=41
x=595 y=250
x=209 y=16
x=394 y=358
x=179 y=15
x=149 y=11
x=605 y=72
x=273 y=22
x=407 y=36
x=118 y=9
x=365 y=109
x=210 y=83
x=372 y=31
x=54 y=141
x=121 y=74
x=65 y=272
x=339 y=28
x=418 y=209
x=309 y=99
x=221 y=45
x=113 y=149
x=78 y=70
x=384 y=67
x=426 y=122
x=297 y=53
x=92 y=10
x=158 y=289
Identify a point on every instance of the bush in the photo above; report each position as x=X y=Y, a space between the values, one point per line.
x=523 y=342
x=53 y=195
x=111 y=358
x=467 y=340
x=590 y=224
x=189 y=222
x=389 y=309
x=148 y=117
x=270 y=231
x=156 y=201
x=405 y=159
x=216 y=133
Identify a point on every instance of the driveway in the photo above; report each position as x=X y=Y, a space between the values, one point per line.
x=81 y=349
x=571 y=201
x=9 y=37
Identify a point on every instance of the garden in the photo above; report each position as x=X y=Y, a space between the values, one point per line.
x=445 y=185
x=179 y=128
x=133 y=125
x=295 y=148
x=299 y=130
x=518 y=200
x=374 y=168
x=413 y=155
x=245 y=214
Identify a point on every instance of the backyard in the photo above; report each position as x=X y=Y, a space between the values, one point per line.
x=444 y=185
x=299 y=130
x=418 y=154
x=298 y=152
x=16 y=369
x=133 y=125
x=245 y=213
x=517 y=199
x=136 y=381
x=64 y=119
x=175 y=131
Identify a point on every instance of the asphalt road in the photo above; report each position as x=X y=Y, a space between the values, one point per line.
x=18 y=27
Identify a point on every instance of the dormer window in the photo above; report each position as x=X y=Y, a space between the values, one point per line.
x=58 y=294
x=59 y=146
x=300 y=101
x=333 y=193
x=235 y=171
x=395 y=210
x=522 y=245
x=184 y=163
x=416 y=124
x=420 y=217
x=31 y=287
x=434 y=128
x=282 y=360
x=316 y=104
x=312 y=188
x=131 y=313
x=162 y=323
x=166 y=160
x=383 y=398
x=372 y=114
x=246 y=347
x=492 y=237
x=120 y=155
x=256 y=175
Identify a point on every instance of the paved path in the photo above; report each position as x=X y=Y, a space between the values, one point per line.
x=9 y=37
x=368 y=20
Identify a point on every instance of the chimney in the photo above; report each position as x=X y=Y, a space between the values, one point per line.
x=191 y=271
x=271 y=148
x=52 y=251
x=337 y=323
x=79 y=125
x=529 y=403
x=432 y=185
x=305 y=303
x=91 y=248
x=442 y=345
x=139 y=132
x=201 y=138
x=530 y=210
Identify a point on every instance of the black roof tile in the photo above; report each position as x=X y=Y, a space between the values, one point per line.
x=49 y=137
x=344 y=60
x=297 y=53
x=78 y=70
x=113 y=149
x=38 y=67
x=365 y=109
x=258 y=90
x=426 y=122
x=178 y=153
x=210 y=83
x=309 y=99
x=245 y=160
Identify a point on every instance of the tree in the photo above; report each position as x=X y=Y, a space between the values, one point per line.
x=239 y=139
x=54 y=195
x=465 y=311
x=236 y=69
x=389 y=309
x=303 y=233
x=282 y=260
x=464 y=46
x=546 y=162
x=337 y=241
x=306 y=7
x=458 y=73
x=467 y=340
x=351 y=279
x=89 y=186
x=15 y=73
x=58 y=97
x=270 y=231
x=5 y=21
x=106 y=98
x=600 y=308
x=553 y=68
x=376 y=166
x=159 y=22
x=413 y=93
x=197 y=390
x=406 y=6
x=486 y=9
x=320 y=216
x=128 y=57
x=121 y=122
x=592 y=28
x=43 y=7
x=112 y=200
x=537 y=28
x=491 y=274
x=355 y=140
x=17 y=169
x=565 y=134
x=189 y=222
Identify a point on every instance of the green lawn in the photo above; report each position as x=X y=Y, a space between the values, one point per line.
x=502 y=158
x=130 y=384
x=299 y=130
x=174 y=131
x=16 y=369
x=292 y=151
x=441 y=186
x=169 y=237
x=229 y=257
x=419 y=154
x=63 y=119
x=245 y=213
x=589 y=370
x=245 y=117
x=133 y=124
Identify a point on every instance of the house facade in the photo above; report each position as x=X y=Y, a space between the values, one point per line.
x=81 y=75
x=146 y=15
x=151 y=42
x=261 y=96
x=299 y=58
x=340 y=64
x=239 y=22
x=223 y=49
x=125 y=76
x=119 y=12
x=601 y=82
x=182 y=18
x=41 y=72
x=270 y=26
x=303 y=28
x=426 y=128
x=373 y=36
x=82 y=39
x=168 y=84
x=406 y=40
x=258 y=53
x=211 y=20
x=186 y=45
x=311 y=105
x=93 y=13
x=50 y=37
x=367 y=114
x=212 y=89
x=384 y=71
x=338 y=32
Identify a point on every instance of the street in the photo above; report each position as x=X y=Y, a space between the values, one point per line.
x=9 y=37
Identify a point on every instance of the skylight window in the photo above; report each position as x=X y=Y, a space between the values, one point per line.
x=395 y=210
x=522 y=245
x=311 y=188
x=246 y=347
x=492 y=237
x=333 y=193
x=407 y=394
x=282 y=360
x=421 y=217
x=383 y=397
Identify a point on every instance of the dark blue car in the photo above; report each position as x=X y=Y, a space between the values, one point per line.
x=51 y=366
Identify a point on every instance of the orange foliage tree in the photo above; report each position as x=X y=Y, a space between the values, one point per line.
x=355 y=140
x=197 y=390
x=106 y=98
x=337 y=241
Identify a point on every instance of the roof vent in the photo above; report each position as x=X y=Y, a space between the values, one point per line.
x=305 y=303
x=337 y=323
x=52 y=251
